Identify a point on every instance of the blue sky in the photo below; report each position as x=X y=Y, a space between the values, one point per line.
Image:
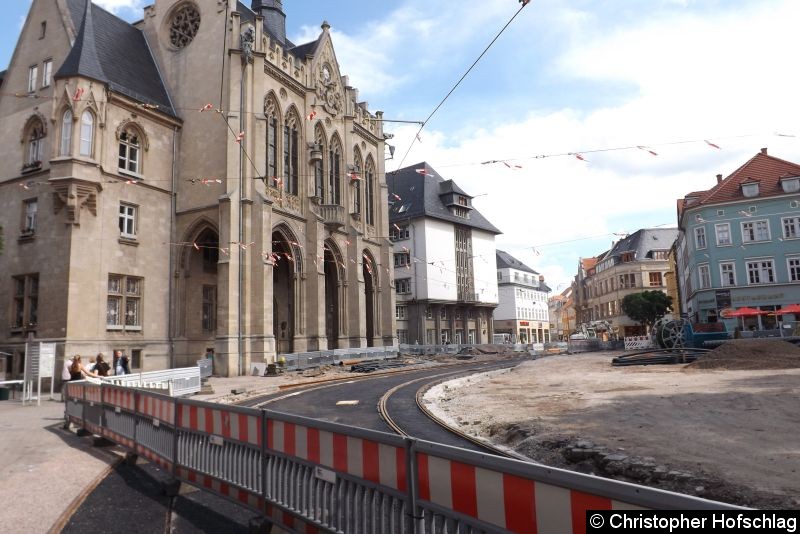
x=567 y=76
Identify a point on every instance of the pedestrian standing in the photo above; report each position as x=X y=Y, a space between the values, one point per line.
x=65 y=377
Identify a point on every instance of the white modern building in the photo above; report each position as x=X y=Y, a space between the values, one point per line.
x=444 y=260
x=522 y=311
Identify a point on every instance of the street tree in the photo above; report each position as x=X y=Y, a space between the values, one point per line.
x=646 y=307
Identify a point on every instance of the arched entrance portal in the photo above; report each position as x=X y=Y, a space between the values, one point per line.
x=368 y=269
x=195 y=326
x=283 y=294
x=331 y=298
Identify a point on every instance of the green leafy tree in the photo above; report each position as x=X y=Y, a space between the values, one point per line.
x=646 y=307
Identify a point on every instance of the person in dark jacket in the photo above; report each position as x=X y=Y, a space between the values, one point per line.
x=121 y=363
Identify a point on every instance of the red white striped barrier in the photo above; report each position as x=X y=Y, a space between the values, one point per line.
x=119 y=439
x=159 y=408
x=75 y=391
x=231 y=425
x=377 y=462
x=507 y=501
x=288 y=520
x=120 y=398
x=93 y=394
x=221 y=488
x=153 y=457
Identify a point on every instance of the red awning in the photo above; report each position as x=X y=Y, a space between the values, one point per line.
x=791 y=308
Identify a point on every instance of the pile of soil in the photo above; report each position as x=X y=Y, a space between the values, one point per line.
x=750 y=354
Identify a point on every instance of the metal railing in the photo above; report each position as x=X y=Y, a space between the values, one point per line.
x=305 y=360
x=456 y=348
x=177 y=382
x=302 y=473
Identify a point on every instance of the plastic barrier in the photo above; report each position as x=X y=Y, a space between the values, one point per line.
x=305 y=475
x=177 y=382
x=638 y=342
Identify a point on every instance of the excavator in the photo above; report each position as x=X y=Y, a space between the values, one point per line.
x=595 y=330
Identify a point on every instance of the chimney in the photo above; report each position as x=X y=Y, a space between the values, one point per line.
x=274 y=17
x=719 y=178
x=764 y=151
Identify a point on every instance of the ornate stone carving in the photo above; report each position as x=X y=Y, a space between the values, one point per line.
x=74 y=196
x=247 y=41
x=284 y=200
x=328 y=91
x=124 y=125
x=184 y=25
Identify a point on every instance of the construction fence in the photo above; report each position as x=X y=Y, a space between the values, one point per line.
x=307 y=475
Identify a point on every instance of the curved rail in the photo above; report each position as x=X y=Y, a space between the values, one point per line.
x=384 y=412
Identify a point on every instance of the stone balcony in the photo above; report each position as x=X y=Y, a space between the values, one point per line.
x=333 y=215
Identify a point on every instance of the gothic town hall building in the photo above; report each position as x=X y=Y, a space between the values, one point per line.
x=191 y=181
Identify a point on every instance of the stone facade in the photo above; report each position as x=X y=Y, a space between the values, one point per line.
x=253 y=228
x=636 y=263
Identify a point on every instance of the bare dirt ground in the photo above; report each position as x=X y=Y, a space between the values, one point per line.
x=728 y=435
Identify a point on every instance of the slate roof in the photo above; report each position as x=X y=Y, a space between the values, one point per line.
x=507 y=261
x=250 y=16
x=420 y=196
x=110 y=50
x=762 y=168
x=643 y=242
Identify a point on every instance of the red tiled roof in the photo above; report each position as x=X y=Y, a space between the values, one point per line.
x=588 y=263
x=763 y=168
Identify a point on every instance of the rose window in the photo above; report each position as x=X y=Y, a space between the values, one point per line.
x=183 y=26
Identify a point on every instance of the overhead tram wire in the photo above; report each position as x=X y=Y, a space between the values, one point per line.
x=439 y=105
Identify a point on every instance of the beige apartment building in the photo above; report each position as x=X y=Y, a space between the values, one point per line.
x=636 y=263
x=166 y=192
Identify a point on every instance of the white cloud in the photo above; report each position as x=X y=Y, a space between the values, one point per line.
x=692 y=77
x=393 y=54
x=116 y=6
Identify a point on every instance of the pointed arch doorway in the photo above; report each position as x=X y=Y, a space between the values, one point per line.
x=332 y=291
x=283 y=291
x=368 y=271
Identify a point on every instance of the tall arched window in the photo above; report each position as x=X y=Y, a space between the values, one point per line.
x=35 y=152
x=291 y=161
x=356 y=177
x=319 y=173
x=66 y=134
x=130 y=151
x=270 y=109
x=334 y=172
x=369 y=191
x=87 y=133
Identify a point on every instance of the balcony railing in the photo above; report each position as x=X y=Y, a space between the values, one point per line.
x=332 y=214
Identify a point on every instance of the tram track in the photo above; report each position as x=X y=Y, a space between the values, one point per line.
x=396 y=399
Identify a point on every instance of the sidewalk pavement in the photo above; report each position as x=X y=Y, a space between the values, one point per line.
x=45 y=470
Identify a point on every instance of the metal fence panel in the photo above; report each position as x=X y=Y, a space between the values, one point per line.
x=305 y=472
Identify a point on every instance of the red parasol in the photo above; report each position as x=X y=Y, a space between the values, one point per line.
x=745 y=312
x=791 y=308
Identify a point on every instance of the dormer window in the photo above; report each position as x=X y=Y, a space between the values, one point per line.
x=791 y=184
x=627 y=257
x=462 y=201
x=461 y=212
x=750 y=189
